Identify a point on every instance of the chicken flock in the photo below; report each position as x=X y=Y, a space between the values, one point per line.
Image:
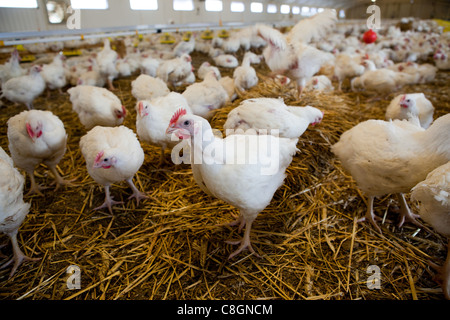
x=409 y=150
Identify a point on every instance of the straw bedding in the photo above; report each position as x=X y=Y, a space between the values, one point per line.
x=173 y=247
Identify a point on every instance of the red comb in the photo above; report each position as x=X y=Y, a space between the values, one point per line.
x=99 y=156
x=180 y=112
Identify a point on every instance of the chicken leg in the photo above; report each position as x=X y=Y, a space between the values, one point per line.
x=245 y=241
x=136 y=193
x=109 y=202
x=405 y=212
x=34 y=188
x=370 y=215
x=59 y=181
x=19 y=256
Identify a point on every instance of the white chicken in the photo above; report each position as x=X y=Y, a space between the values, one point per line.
x=434 y=196
x=54 y=73
x=106 y=61
x=184 y=47
x=319 y=83
x=153 y=117
x=91 y=77
x=204 y=68
x=239 y=169
x=405 y=106
x=175 y=70
x=392 y=157
x=290 y=55
x=112 y=154
x=149 y=65
x=441 y=60
x=228 y=84
x=146 y=87
x=13 y=209
x=381 y=80
x=24 y=89
x=226 y=61
x=35 y=137
x=12 y=68
x=271 y=114
x=96 y=106
x=347 y=66
x=206 y=96
x=245 y=75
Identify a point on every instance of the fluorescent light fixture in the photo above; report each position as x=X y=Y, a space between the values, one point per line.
x=295 y=10
x=285 y=8
x=237 y=6
x=183 y=5
x=213 y=5
x=256 y=7
x=144 y=4
x=89 y=4
x=342 y=13
x=18 y=3
x=320 y=10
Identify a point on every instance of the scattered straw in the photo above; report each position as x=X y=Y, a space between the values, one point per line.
x=170 y=247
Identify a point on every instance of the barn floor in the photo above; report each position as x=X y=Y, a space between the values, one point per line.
x=171 y=247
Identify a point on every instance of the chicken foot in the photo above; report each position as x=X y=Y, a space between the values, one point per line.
x=109 y=202
x=18 y=256
x=245 y=242
x=59 y=181
x=136 y=193
x=34 y=188
x=406 y=214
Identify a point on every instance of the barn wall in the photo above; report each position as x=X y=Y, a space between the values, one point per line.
x=424 y=9
x=119 y=13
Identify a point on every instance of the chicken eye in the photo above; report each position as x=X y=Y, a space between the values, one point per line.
x=105 y=160
x=186 y=123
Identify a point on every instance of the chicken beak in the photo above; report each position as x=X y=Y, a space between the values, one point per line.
x=124 y=111
x=171 y=129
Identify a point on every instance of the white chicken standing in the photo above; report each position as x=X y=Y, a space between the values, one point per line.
x=206 y=96
x=106 y=61
x=12 y=68
x=434 y=196
x=238 y=169
x=290 y=55
x=112 y=154
x=405 y=106
x=271 y=114
x=13 y=209
x=392 y=157
x=96 y=106
x=146 y=87
x=54 y=73
x=24 y=89
x=245 y=75
x=35 y=137
x=153 y=117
